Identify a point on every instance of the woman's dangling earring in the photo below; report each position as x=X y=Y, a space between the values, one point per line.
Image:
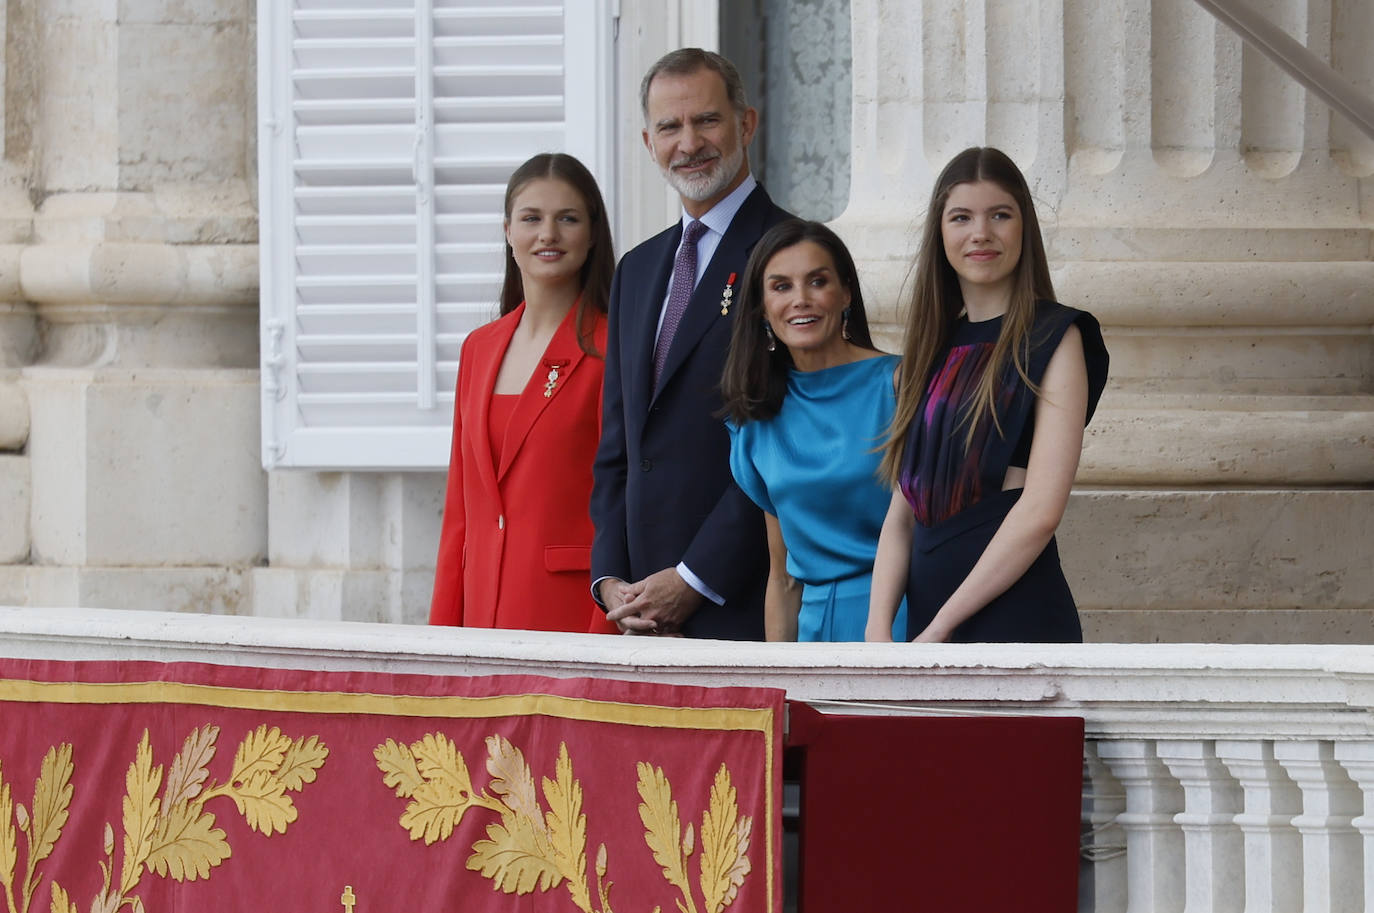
x=768 y=334
x=844 y=324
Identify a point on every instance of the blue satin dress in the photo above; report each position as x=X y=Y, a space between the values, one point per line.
x=814 y=467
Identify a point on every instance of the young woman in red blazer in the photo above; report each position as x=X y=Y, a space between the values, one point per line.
x=516 y=542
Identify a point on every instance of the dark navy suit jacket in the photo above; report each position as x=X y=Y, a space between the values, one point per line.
x=663 y=491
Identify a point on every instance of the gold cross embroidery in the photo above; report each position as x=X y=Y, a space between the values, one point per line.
x=348 y=900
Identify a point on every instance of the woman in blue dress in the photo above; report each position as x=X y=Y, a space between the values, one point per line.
x=808 y=401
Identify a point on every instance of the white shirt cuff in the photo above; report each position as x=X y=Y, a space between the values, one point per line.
x=596 y=591
x=698 y=584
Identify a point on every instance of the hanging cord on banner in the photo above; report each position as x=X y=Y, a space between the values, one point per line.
x=1101 y=852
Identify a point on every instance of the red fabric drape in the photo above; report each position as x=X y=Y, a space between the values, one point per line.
x=939 y=814
x=204 y=788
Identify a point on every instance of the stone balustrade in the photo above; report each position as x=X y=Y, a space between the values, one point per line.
x=1216 y=778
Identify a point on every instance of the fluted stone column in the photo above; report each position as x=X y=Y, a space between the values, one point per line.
x=140 y=276
x=1217 y=219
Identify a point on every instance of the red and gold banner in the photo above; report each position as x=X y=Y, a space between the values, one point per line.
x=170 y=788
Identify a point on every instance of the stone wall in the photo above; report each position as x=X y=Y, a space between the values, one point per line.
x=1217 y=219
x=128 y=389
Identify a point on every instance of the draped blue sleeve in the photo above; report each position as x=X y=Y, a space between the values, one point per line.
x=743 y=440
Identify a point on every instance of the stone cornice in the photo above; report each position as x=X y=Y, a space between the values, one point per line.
x=1122 y=690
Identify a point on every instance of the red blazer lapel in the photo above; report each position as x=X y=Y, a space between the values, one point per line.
x=488 y=365
x=562 y=352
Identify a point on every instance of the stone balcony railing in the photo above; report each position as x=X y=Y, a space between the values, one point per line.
x=1216 y=778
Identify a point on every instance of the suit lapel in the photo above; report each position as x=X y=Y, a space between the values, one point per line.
x=703 y=309
x=484 y=383
x=562 y=351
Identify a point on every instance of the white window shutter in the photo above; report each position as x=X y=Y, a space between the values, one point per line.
x=389 y=129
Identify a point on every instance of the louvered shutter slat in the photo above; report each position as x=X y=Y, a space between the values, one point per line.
x=391 y=129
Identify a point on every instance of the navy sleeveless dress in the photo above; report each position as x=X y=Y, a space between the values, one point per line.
x=956 y=492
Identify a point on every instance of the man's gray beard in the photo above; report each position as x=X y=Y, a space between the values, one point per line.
x=707 y=185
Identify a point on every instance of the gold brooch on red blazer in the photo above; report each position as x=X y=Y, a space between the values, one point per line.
x=727 y=296
x=554 y=367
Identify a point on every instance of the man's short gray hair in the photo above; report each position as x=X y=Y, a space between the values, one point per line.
x=686 y=61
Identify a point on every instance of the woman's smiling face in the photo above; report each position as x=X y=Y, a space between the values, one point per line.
x=981 y=229
x=549 y=231
x=804 y=303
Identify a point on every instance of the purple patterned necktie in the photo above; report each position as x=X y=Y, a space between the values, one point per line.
x=684 y=277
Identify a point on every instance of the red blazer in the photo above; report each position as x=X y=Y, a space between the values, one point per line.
x=515 y=550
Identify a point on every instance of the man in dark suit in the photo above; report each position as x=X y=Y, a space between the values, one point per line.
x=679 y=548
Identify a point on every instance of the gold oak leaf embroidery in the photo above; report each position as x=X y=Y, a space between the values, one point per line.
x=744 y=827
x=267 y=765
x=513 y=858
x=52 y=796
x=398 y=767
x=724 y=857
x=261 y=751
x=9 y=843
x=724 y=845
x=61 y=903
x=568 y=828
x=172 y=835
x=663 y=830
x=263 y=801
x=529 y=849
x=186 y=843
x=303 y=759
x=434 y=776
x=512 y=781
x=190 y=768
x=140 y=806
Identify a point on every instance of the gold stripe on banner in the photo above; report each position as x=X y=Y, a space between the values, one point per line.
x=728 y=719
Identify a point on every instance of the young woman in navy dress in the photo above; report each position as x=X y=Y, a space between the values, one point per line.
x=997 y=383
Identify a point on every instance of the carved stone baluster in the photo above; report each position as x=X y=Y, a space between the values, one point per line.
x=1102 y=880
x=1332 y=864
x=1273 y=847
x=1154 y=843
x=1358 y=760
x=1215 y=852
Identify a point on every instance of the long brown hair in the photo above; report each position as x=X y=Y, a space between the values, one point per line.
x=937 y=301
x=596 y=272
x=755 y=379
